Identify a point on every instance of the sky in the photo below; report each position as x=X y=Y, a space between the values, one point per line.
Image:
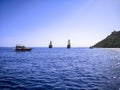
x=35 y=22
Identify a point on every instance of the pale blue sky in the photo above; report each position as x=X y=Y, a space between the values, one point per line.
x=36 y=22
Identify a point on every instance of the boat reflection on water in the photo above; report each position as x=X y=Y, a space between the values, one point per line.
x=22 y=48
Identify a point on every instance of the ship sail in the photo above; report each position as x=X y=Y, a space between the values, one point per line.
x=68 y=45
x=50 y=45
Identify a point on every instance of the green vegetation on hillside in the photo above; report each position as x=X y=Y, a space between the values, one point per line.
x=111 y=41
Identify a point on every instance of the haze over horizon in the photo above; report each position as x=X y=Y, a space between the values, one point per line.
x=36 y=22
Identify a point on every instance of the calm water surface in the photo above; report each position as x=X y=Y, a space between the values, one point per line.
x=60 y=69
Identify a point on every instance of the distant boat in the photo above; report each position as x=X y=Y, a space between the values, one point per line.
x=91 y=47
x=50 y=45
x=68 y=45
x=22 y=48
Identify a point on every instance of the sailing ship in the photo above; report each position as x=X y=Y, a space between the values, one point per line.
x=68 y=45
x=50 y=45
x=22 y=48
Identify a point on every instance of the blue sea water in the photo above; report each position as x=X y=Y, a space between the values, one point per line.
x=60 y=69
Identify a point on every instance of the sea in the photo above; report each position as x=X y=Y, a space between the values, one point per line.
x=60 y=69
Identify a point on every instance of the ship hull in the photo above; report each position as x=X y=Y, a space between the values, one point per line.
x=25 y=49
x=68 y=46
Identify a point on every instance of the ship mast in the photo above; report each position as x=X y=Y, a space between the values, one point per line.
x=50 y=45
x=68 y=45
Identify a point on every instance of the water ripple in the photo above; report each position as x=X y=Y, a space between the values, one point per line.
x=60 y=69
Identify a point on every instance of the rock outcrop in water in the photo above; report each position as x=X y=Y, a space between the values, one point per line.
x=111 y=41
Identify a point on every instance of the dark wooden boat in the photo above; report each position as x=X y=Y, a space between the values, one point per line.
x=68 y=45
x=50 y=45
x=22 y=48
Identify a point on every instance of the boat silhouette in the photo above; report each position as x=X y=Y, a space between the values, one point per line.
x=22 y=48
x=68 y=45
x=50 y=45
